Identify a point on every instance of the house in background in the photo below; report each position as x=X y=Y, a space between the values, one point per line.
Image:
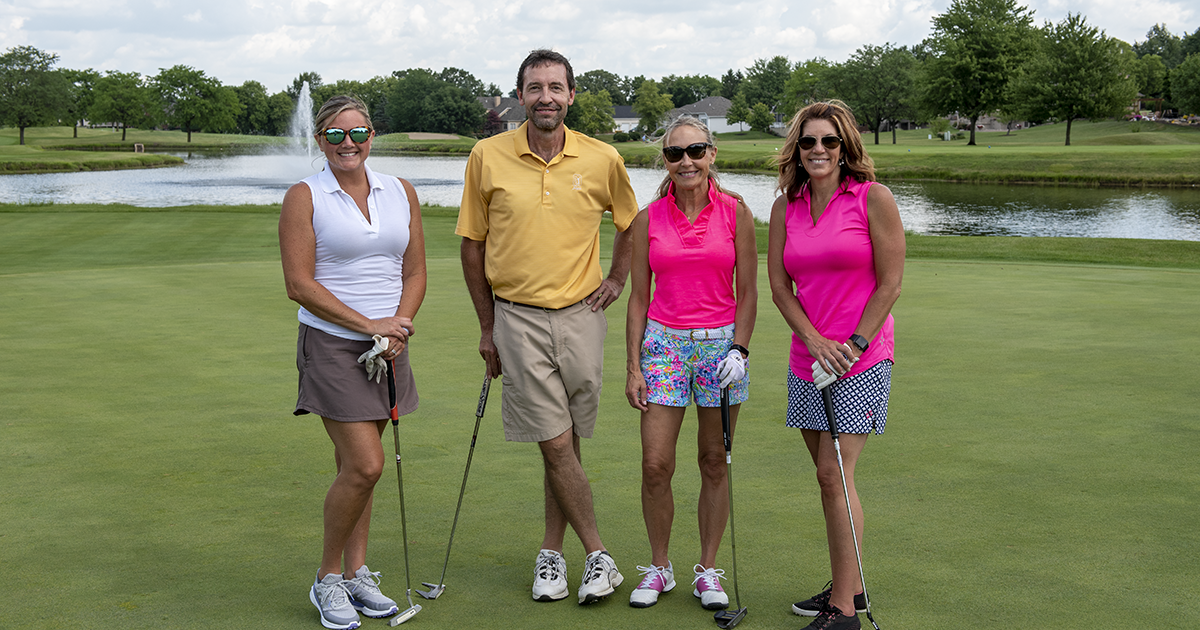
x=711 y=111
x=624 y=118
x=509 y=109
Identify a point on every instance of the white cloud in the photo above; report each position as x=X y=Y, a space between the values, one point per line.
x=194 y=17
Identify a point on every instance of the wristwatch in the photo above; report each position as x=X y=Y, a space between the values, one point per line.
x=859 y=342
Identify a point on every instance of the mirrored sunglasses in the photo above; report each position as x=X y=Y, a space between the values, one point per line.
x=695 y=151
x=333 y=135
x=829 y=142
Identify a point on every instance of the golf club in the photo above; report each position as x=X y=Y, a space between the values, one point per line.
x=440 y=587
x=412 y=609
x=729 y=618
x=831 y=416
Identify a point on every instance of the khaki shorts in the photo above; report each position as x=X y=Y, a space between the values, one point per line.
x=553 y=363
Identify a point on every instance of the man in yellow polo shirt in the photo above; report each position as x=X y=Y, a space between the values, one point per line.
x=530 y=222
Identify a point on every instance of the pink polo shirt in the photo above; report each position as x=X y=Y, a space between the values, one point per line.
x=693 y=263
x=833 y=266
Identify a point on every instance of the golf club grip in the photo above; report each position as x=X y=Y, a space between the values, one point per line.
x=391 y=375
x=483 y=396
x=830 y=416
x=725 y=432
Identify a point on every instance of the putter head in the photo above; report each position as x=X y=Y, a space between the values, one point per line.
x=729 y=618
x=433 y=592
x=405 y=615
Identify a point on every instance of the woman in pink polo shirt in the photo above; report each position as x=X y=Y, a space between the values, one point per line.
x=687 y=342
x=835 y=260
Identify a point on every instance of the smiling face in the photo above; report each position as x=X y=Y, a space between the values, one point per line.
x=347 y=155
x=819 y=161
x=688 y=174
x=546 y=95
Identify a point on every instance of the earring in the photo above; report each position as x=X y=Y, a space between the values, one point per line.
x=841 y=162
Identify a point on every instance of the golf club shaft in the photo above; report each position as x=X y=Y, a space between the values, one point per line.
x=483 y=396
x=391 y=374
x=831 y=417
x=727 y=432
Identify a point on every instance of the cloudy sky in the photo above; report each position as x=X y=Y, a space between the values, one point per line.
x=272 y=41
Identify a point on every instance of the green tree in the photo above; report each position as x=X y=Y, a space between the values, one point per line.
x=464 y=80
x=314 y=83
x=592 y=113
x=731 y=83
x=1185 y=85
x=193 y=101
x=689 y=89
x=877 y=83
x=32 y=92
x=765 y=82
x=651 y=106
x=256 y=108
x=1151 y=75
x=1161 y=42
x=975 y=49
x=806 y=85
x=597 y=80
x=761 y=118
x=81 y=84
x=124 y=98
x=1077 y=72
x=1191 y=44
x=280 y=107
x=738 y=112
x=420 y=100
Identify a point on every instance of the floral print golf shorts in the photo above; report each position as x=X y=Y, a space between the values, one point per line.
x=680 y=368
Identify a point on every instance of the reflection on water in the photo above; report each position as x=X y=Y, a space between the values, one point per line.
x=926 y=208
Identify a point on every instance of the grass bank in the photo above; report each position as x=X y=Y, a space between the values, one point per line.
x=1035 y=451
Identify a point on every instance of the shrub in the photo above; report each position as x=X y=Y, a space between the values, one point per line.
x=620 y=136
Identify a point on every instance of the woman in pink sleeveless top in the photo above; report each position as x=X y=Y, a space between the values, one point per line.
x=686 y=342
x=835 y=260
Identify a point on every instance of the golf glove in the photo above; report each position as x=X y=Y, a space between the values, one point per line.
x=821 y=378
x=732 y=368
x=376 y=366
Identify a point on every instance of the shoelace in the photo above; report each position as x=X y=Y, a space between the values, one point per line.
x=336 y=595
x=711 y=577
x=651 y=572
x=593 y=570
x=547 y=567
x=368 y=582
x=826 y=617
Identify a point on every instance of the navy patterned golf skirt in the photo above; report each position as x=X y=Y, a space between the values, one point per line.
x=860 y=402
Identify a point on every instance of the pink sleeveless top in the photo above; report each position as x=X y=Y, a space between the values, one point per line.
x=693 y=263
x=833 y=266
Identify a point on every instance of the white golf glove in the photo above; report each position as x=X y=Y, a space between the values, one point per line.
x=821 y=378
x=376 y=366
x=732 y=368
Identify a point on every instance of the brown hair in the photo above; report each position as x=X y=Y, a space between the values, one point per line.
x=685 y=120
x=544 y=57
x=854 y=163
x=335 y=106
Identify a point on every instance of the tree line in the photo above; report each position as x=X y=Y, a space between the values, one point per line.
x=983 y=57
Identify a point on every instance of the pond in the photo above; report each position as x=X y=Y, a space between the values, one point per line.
x=925 y=207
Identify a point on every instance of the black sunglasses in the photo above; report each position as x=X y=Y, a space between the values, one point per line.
x=333 y=135
x=695 y=151
x=829 y=142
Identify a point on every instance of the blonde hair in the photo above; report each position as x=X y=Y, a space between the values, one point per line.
x=685 y=120
x=335 y=106
x=854 y=163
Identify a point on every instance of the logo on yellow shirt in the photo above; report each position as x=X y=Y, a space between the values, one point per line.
x=578 y=182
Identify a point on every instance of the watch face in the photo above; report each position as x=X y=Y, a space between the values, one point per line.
x=859 y=341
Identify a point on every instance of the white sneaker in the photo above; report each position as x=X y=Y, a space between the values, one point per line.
x=366 y=597
x=550 y=577
x=708 y=588
x=332 y=599
x=655 y=580
x=600 y=577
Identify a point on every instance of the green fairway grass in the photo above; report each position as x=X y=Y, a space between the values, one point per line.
x=1038 y=465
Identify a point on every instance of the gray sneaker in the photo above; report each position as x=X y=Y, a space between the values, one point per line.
x=600 y=577
x=332 y=598
x=550 y=577
x=365 y=595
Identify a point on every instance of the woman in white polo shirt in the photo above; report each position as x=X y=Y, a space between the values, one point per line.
x=354 y=259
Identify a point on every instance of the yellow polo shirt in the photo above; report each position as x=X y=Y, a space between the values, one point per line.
x=541 y=222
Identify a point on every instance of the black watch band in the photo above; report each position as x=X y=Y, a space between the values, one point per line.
x=742 y=349
x=859 y=342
